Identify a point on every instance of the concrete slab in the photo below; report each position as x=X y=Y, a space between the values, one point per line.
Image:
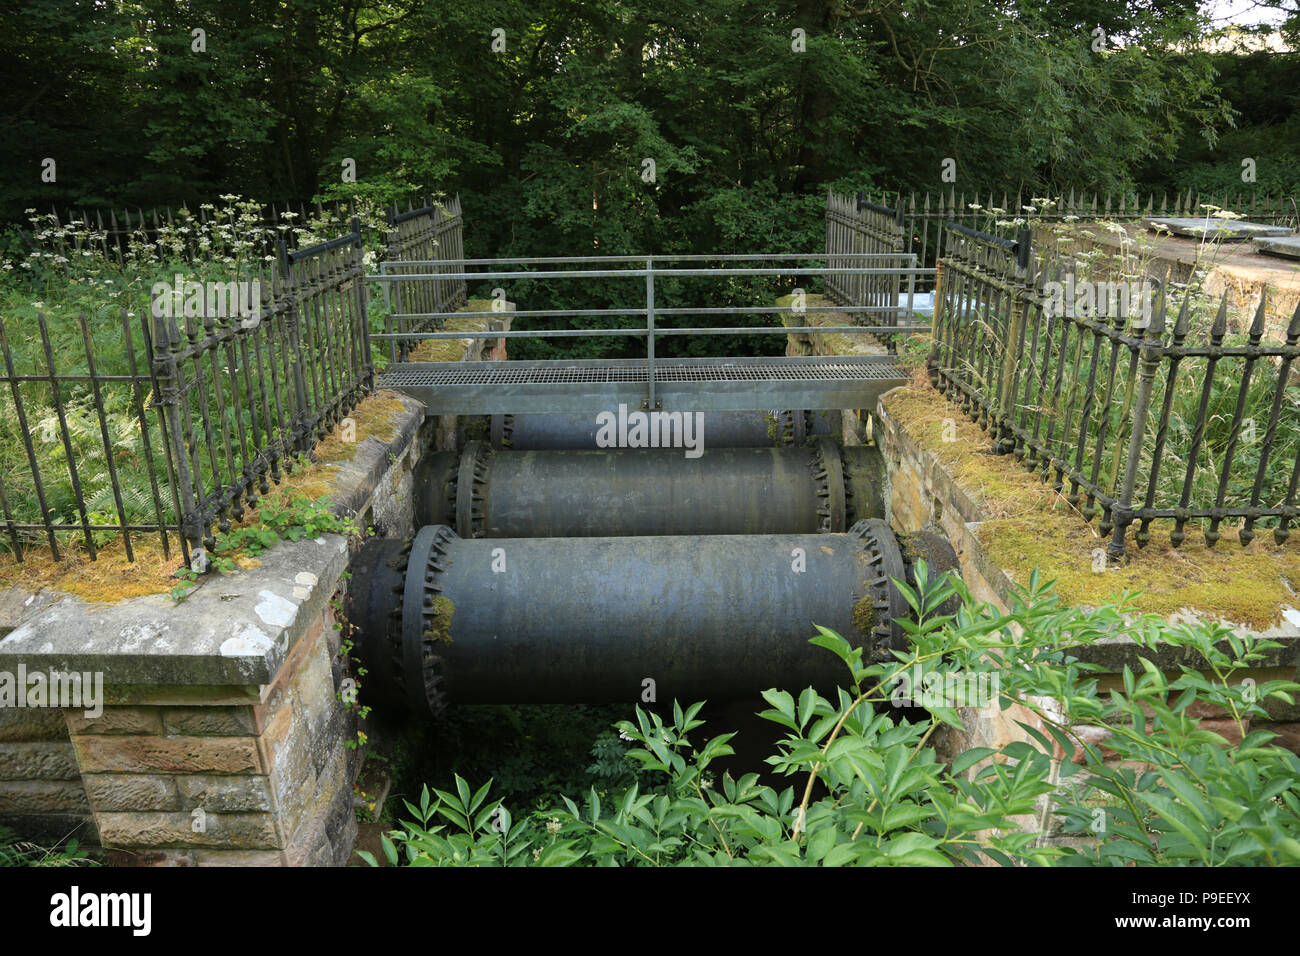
x=1288 y=246
x=1228 y=230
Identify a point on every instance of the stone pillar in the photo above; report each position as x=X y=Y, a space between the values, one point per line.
x=221 y=737
x=194 y=779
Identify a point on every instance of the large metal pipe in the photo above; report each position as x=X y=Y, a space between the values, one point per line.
x=650 y=491
x=525 y=620
x=552 y=431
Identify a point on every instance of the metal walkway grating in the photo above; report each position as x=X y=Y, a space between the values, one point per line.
x=482 y=388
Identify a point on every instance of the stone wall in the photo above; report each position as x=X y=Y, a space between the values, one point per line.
x=224 y=736
x=41 y=794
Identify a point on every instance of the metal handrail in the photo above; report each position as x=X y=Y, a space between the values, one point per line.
x=642 y=273
x=649 y=312
x=693 y=257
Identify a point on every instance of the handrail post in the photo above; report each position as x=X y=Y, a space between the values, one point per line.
x=910 y=315
x=388 y=313
x=652 y=403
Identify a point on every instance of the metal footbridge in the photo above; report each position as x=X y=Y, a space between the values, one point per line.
x=881 y=285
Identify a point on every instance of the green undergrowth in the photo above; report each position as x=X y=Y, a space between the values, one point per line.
x=862 y=784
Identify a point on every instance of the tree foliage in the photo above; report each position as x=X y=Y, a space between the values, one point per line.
x=543 y=113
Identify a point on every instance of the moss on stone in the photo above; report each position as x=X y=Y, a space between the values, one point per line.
x=454 y=350
x=998 y=483
x=108 y=579
x=441 y=611
x=375 y=417
x=1031 y=526
x=822 y=311
x=1246 y=586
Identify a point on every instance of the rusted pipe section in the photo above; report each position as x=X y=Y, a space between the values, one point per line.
x=818 y=487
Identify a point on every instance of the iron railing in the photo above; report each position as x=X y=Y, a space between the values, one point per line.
x=244 y=399
x=1149 y=413
x=434 y=232
x=922 y=217
x=856 y=226
x=95 y=461
x=185 y=423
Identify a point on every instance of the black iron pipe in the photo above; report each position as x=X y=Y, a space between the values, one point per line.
x=592 y=619
x=625 y=491
x=525 y=620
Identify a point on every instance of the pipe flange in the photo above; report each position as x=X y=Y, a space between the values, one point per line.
x=422 y=633
x=851 y=503
x=374 y=615
x=794 y=427
x=502 y=430
x=471 y=489
x=888 y=607
x=828 y=475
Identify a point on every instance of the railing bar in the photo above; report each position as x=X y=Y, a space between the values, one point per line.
x=26 y=432
x=138 y=402
x=67 y=437
x=640 y=273
x=102 y=415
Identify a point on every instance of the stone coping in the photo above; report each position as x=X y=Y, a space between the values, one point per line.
x=1280 y=246
x=1213 y=228
x=234 y=630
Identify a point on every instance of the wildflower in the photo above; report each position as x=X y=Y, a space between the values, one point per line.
x=553 y=825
